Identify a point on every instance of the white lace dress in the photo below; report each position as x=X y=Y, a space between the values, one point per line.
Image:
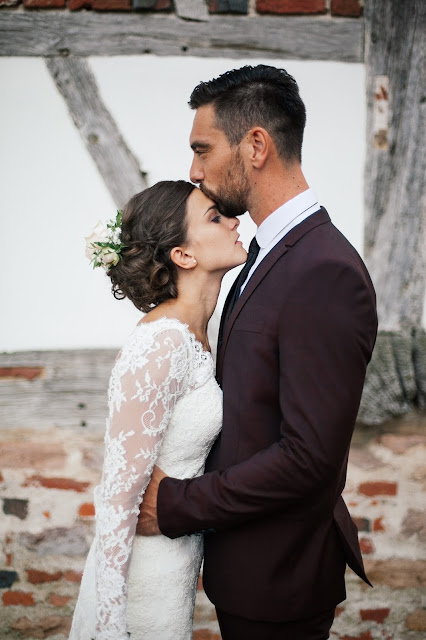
x=165 y=408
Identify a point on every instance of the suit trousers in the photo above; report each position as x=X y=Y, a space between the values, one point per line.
x=236 y=628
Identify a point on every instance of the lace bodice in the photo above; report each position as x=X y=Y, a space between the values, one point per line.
x=160 y=365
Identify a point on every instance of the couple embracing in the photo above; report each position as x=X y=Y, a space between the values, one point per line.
x=248 y=461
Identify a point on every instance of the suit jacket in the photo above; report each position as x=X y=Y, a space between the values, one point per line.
x=292 y=366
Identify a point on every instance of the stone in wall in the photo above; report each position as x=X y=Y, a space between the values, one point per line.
x=57 y=541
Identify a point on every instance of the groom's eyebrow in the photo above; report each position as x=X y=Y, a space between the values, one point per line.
x=199 y=145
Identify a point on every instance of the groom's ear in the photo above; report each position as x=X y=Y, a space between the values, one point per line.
x=259 y=146
x=182 y=258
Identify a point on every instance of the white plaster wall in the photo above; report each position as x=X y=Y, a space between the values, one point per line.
x=51 y=193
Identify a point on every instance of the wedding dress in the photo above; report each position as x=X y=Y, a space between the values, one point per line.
x=165 y=408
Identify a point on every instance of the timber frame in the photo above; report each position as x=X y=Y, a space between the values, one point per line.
x=61 y=33
x=389 y=40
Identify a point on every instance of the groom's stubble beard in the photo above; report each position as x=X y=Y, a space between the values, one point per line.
x=232 y=198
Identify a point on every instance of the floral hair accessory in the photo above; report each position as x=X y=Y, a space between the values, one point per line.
x=103 y=245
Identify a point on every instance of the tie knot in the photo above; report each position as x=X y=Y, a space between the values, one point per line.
x=254 y=247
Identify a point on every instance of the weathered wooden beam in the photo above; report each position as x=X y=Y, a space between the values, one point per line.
x=395 y=198
x=396 y=377
x=52 y=33
x=116 y=163
x=45 y=389
x=70 y=390
x=395 y=195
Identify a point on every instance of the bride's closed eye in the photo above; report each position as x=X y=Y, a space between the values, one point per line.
x=216 y=218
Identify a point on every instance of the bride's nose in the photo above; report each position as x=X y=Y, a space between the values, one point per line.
x=234 y=223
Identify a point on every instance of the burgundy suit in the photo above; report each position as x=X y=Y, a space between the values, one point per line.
x=292 y=366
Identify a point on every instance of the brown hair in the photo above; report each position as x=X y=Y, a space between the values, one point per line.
x=153 y=223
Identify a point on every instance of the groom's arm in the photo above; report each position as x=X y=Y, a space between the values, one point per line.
x=326 y=333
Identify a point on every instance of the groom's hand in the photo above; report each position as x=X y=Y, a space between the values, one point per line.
x=147 y=524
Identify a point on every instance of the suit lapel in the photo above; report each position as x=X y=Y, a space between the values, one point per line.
x=260 y=272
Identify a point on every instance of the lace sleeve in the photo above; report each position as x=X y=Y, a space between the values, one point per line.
x=145 y=384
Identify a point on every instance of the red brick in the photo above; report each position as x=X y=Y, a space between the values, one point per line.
x=87 y=509
x=414 y=523
x=290 y=6
x=43 y=627
x=364 y=636
x=200 y=583
x=378 y=524
x=9 y=559
x=73 y=576
x=366 y=545
x=74 y=5
x=416 y=621
x=18 y=598
x=1 y=477
x=47 y=514
x=29 y=373
x=396 y=573
x=44 y=4
x=205 y=634
x=112 y=5
x=380 y=488
x=338 y=611
x=66 y=484
x=363 y=458
x=58 y=601
x=348 y=8
x=399 y=444
x=16 y=454
x=36 y=577
x=377 y=615
x=163 y=5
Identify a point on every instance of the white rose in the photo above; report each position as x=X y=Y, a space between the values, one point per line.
x=109 y=257
x=99 y=233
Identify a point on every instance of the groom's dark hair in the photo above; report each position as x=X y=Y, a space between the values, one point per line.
x=256 y=96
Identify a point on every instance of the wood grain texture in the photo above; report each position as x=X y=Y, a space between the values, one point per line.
x=395 y=198
x=116 y=163
x=396 y=377
x=53 y=33
x=72 y=392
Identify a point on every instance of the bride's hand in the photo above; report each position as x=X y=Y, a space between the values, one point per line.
x=147 y=524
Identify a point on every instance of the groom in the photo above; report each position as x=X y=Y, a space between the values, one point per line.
x=297 y=333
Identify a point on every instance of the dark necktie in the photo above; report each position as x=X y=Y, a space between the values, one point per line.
x=242 y=276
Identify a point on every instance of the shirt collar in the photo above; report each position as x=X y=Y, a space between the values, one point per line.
x=282 y=217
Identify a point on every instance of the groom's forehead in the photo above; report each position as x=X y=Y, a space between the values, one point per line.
x=204 y=127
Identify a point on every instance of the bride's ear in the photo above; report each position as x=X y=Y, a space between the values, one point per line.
x=182 y=258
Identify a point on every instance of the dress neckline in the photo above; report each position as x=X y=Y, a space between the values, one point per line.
x=197 y=343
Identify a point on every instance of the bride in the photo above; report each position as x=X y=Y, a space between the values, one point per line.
x=167 y=252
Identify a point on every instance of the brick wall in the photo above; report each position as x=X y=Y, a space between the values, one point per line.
x=48 y=472
x=347 y=8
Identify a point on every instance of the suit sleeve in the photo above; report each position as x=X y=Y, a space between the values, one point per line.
x=327 y=329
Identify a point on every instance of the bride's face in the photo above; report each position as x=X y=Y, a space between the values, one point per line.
x=213 y=239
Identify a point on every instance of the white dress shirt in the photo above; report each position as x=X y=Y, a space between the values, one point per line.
x=280 y=222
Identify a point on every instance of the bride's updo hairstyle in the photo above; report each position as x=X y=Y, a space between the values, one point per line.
x=153 y=223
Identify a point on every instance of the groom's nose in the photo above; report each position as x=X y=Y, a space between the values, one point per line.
x=195 y=173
